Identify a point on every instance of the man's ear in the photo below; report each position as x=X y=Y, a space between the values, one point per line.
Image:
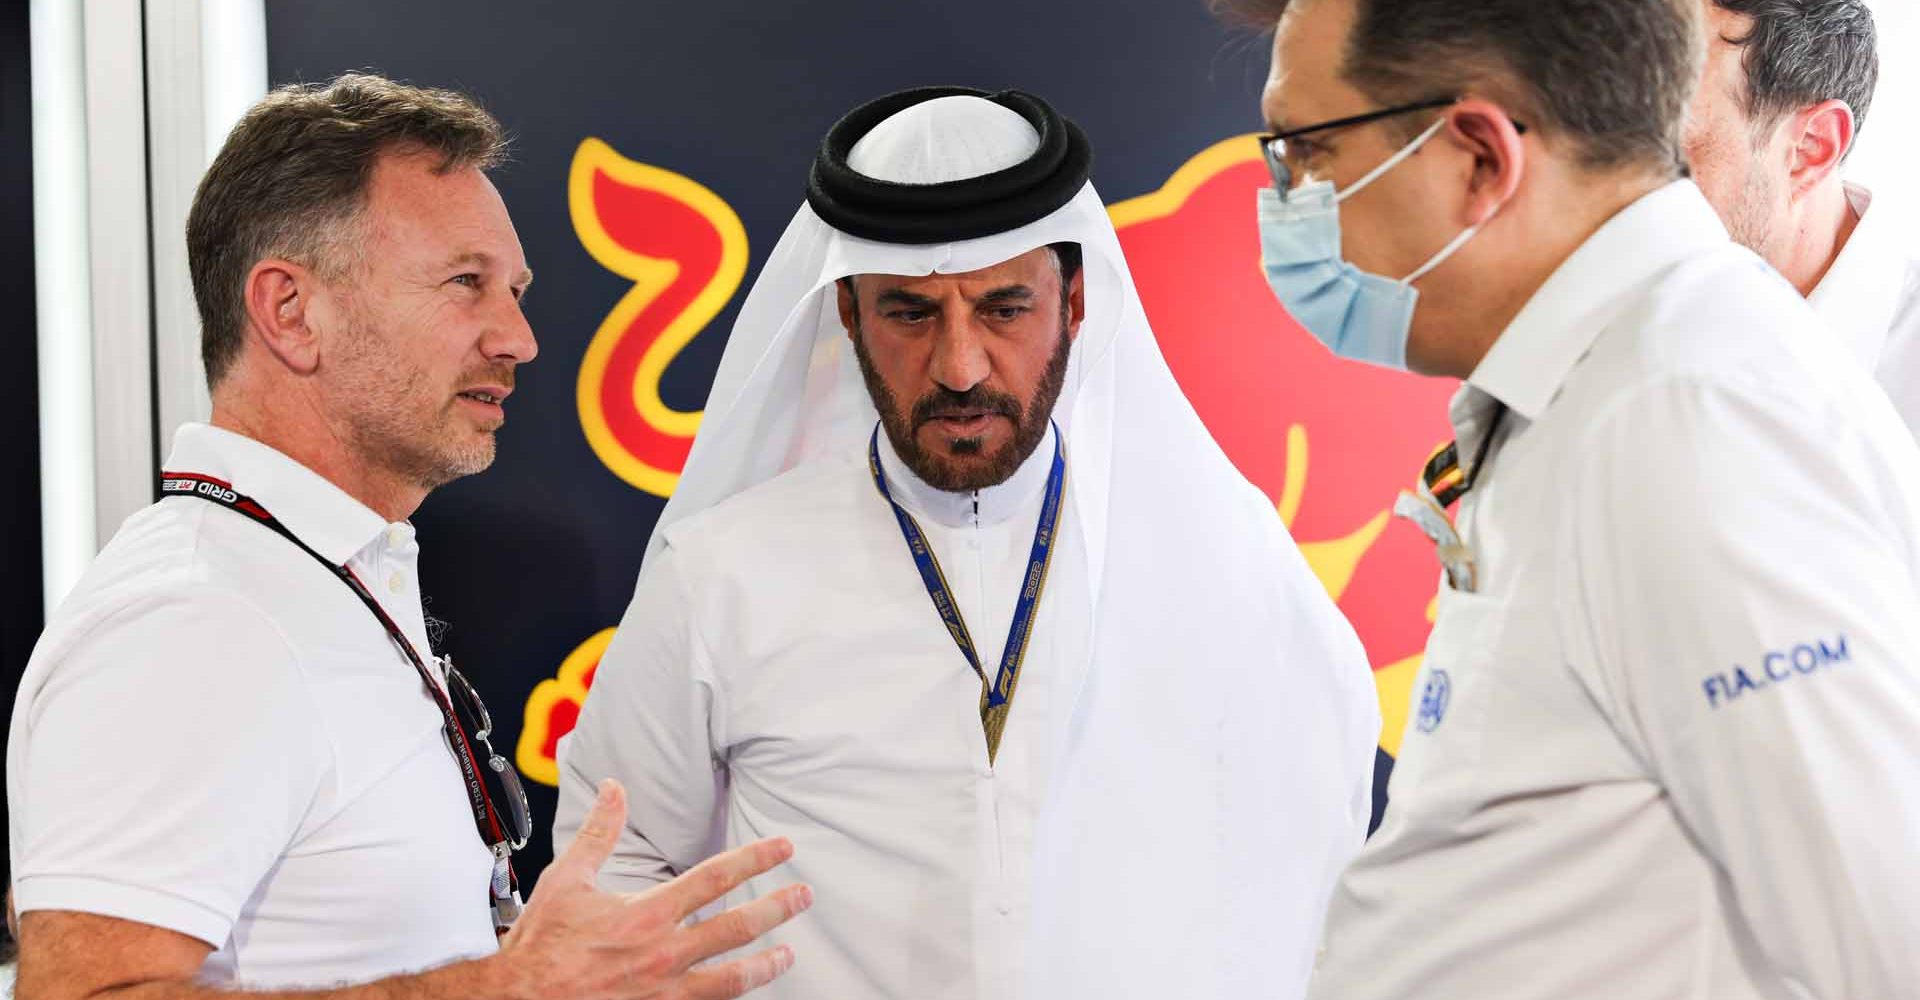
x=1076 y=302
x=1490 y=135
x=848 y=305
x=1819 y=138
x=279 y=296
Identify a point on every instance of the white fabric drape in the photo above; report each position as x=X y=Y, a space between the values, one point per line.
x=1215 y=744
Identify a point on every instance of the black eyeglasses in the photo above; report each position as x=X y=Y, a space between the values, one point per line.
x=505 y=794
x=1274 y=144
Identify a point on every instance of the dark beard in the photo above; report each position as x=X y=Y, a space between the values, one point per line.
x=1029 y=423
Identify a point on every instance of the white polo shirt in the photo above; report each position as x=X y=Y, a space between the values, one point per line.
x=1870 y=296
x=1671 y=747
x=215 y=736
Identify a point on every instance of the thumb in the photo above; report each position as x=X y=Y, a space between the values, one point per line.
x=598 y=834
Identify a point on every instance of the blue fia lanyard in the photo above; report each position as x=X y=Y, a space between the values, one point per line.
x=997 y=699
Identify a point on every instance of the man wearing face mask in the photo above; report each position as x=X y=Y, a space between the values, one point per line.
x=1667 y=735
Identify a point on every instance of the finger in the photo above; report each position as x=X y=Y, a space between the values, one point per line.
x=731 y=979
x=721 y=874
x=595 y=842
x=739 y=926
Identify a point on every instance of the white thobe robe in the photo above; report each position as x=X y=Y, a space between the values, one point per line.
x=782 y=672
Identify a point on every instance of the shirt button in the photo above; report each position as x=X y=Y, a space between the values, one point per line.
x=397 y=583
x=396 y=536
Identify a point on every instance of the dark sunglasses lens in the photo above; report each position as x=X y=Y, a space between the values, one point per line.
x=510 y=798
x=467 y=700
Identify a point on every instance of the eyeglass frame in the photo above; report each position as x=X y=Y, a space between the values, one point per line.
x=1282 y=174
x=516 y=819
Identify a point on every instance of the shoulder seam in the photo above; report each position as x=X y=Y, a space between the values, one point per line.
x=697 y=640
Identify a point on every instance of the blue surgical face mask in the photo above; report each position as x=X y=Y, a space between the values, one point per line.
x=1359 y=316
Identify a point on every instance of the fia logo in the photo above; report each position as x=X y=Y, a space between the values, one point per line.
x=1433 y=700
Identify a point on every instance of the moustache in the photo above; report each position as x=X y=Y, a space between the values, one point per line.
x=976 y=401
x=500 y=375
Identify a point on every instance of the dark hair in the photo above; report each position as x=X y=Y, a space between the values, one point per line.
x=1613 y=77
x=292 y=178
x=1069 y=257
x=1802 y=52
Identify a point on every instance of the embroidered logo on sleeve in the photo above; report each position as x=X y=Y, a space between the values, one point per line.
x=1776 y=667
x=1433 y=700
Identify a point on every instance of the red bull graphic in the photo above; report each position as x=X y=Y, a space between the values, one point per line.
x=685 y=251
x=554 y=707
x=1330 y=441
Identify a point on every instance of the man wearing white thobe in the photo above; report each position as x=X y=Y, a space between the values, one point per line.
x=967 y=339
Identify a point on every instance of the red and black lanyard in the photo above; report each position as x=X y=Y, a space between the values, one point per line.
x=188 y=484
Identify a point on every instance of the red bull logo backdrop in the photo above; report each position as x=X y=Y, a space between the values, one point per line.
x=658 y=153
x=1332 y=469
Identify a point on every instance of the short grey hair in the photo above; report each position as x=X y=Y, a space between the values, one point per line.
x=1799 y=53
x=293 y=177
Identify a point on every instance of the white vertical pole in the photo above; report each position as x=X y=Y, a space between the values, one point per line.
x=63 y=296
x=176 y=127
x=109 y=203
x=117 y=218
x=233 y=60
x=206 y=65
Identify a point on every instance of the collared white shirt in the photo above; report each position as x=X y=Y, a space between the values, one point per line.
x=783 y=672
x=1671 y=747
x=215 y=736
x=1870 y=297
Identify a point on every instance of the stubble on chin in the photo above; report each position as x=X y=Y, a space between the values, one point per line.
x=426 y=454
x=389 y=427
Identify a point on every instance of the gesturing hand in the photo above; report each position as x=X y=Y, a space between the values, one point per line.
x=576 y=942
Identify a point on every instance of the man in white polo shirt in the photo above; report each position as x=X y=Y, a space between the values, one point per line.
x=1786 y=90
x=235 y=762
x=1667 y=737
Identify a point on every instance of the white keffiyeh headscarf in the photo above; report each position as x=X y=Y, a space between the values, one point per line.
x=1214 y=745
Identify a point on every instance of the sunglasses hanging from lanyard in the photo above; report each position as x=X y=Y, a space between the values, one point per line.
x=500 y=812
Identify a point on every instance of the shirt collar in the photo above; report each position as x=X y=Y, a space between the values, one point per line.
x=994 y=504
x=317 y=512
x=1531 y=360
x=1861 y=291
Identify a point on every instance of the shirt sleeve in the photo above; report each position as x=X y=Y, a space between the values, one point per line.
x=1743 y=575
x=646 y=723
x=165 y=762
